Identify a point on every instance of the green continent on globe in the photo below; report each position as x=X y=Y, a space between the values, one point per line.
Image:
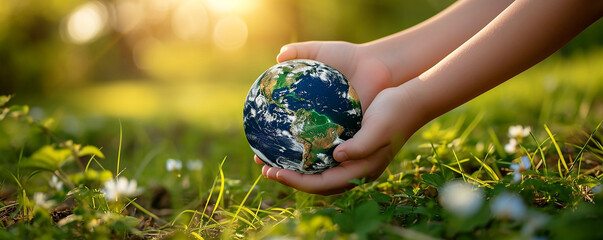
x=316 y=132
x=277 y=80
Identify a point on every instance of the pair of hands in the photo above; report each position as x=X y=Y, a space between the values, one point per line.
x=385 y=126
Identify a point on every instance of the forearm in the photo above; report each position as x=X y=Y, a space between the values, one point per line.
x=522 y=35
x=414 y=50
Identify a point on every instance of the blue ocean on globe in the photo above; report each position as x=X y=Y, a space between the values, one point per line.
x=297 y=112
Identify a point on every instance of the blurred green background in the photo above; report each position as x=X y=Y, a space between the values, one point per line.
x=187 y=59
x=176 y=72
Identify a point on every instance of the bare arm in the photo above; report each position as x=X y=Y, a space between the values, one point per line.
x=526 y=32
x=412 y=51
x=392 y=60
x=522 y=35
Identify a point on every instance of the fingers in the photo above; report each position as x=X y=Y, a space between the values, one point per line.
x=334 y=180
x=257 y=160
x=337 y=179
x=310 y=183
x=370 y=138
x=303 y=50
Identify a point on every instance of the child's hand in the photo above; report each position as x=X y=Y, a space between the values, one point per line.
x=367 y=74
x=388 y=122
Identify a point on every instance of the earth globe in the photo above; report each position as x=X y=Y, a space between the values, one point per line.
x=297 y=112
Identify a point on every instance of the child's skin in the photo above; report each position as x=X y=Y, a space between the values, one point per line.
x=407 y=79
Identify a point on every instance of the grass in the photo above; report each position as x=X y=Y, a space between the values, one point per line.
x=463 y=152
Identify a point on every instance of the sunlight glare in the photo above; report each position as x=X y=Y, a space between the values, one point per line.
x=230 y=33
x=158 y=10
x=86 y=22
x=229 y=6
x=190 y=21
x=128 y=15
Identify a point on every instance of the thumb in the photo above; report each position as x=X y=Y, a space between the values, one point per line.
x=371 y=137
x=303 y=50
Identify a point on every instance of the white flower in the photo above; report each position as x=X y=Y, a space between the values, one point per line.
x=460 y=198
x=194 y=165
x=115 y=189
x=519 y=168
x=173 y=165
x=56 y=183
x=511 y=147
x=519 y=131
x=508 y=206
x=41 y=201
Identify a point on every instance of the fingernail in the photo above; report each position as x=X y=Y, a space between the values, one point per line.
x=341 y=156
x=265 y=171
x=284 y=48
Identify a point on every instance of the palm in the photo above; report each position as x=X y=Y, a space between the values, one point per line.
x=367 y=74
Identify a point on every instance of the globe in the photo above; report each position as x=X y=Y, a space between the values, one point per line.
x=297 y=112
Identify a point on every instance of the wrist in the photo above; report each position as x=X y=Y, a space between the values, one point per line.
x=405 y=55
x=414 y=108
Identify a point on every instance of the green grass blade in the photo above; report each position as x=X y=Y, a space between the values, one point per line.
x=117 y=172
x=545 y=169
x=561 y=158
x=436 y=158
x=221 y=193
x=579 y=156
x=483 y=183
x=255 y=214
x=147 y=212
x=245 y=198
x=88 y=164
x=471 y=126
x=489 y=170
x=211 y=191
x=16 y=179
x=194 y=212
x=494 y=138
x=458 y=163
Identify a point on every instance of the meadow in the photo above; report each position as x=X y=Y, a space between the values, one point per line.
x=458 y=177
x=136 y=132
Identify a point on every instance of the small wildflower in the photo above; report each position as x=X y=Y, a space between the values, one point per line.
x=460 y=198
x=519 y=168
x=519 y=132
x=41 y=201
x=194 y=165
x=511 y=147
x=56 y=183
x=115 y=189
x=508 y=206
x=173 y=165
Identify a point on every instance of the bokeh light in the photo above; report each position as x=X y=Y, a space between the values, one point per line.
x=230 y=6
x=190 y=20
x=86 y=22
x=230 y=33
x=128 y=15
